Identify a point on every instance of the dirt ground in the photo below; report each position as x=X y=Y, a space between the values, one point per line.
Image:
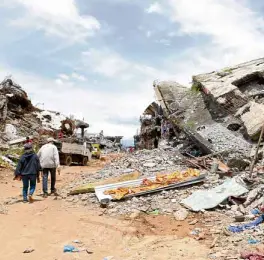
x=48 y=225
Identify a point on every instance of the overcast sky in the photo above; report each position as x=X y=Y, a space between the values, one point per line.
x=98 y=59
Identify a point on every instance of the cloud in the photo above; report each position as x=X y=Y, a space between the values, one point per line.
x=172 y=34
x=154 y=8
x=64 y=76
x=231 y=25
x=149 y=34
x=60 y=18
x=113 y=112
x=202 y=35
x=79 y=77
x=111 y=64
x=59 y=81
x=165 y=42
x=106 y=62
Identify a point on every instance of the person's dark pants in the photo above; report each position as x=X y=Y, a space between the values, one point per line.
x=29 y=180
x=46 y=172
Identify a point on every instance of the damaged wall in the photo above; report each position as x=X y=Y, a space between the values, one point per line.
x=239 y=90
x=188 y=110
x=150 y=129
x=185 y=110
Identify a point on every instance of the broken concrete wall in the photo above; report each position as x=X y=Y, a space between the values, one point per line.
x=150 y=129
x=188 y=109
x=185 y=110
x=239 y=91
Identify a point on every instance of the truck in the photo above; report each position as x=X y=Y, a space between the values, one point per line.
x=74 y=153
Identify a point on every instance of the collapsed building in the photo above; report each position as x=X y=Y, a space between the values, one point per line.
x=107 y=142
x=16 y=111
x=19 y=119
x=222 y=111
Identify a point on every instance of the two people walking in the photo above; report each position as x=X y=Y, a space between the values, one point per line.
x=31 y=164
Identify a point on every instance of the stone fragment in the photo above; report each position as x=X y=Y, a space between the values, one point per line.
x=181 y=214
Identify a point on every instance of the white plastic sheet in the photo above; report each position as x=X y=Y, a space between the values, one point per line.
x=208 y=199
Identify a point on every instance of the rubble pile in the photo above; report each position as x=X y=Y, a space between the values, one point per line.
x=220 y=112
x=19 y=118
x=171 y=202
x=148 y=163
x=107 y=143
x=213 y=127
x=16 y=112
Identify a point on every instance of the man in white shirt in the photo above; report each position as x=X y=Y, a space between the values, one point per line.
x=49 y=161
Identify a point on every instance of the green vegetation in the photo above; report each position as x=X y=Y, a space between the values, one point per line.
x=228 y=70
x=224 y=72
x=190 y=124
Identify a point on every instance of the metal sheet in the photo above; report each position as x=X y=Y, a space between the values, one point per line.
x=99 y=190
x=208 y=199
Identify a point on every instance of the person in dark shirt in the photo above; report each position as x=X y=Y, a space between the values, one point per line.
x=28 y=169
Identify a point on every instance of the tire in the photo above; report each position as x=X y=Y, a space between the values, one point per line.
x=84 y=161
x=68 y=160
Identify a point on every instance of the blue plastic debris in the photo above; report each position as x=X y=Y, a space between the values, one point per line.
x=255 y=211
x=253 y=241
x=251 y=225
x=70 y=249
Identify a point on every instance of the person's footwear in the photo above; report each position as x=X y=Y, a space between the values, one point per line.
x=30 y=199
x=25 y=201
x=54 y=192
x=45 y=195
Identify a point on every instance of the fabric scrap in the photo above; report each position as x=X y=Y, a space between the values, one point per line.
x=252 y=255
x=251 y=225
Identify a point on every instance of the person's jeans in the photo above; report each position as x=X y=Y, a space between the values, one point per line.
x=27 y=180
x=46 y=172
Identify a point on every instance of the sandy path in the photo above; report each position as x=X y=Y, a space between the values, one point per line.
x=48 y=225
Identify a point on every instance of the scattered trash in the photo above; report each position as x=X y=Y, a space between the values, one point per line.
x=70 y=249
x=77 y=241
x=255 y=211
x=155 y=212
x=195 y=232
x=108 y=258
x=146 y=186
x=253 y=241
x=258 y=255
x=238 y=229
x=29 y=250
x=104 y=203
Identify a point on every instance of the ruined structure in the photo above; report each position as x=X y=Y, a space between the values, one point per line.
x=238 y=93
x=16 y=111
x=184 y=109
x=150 y=131
x=223 y=111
